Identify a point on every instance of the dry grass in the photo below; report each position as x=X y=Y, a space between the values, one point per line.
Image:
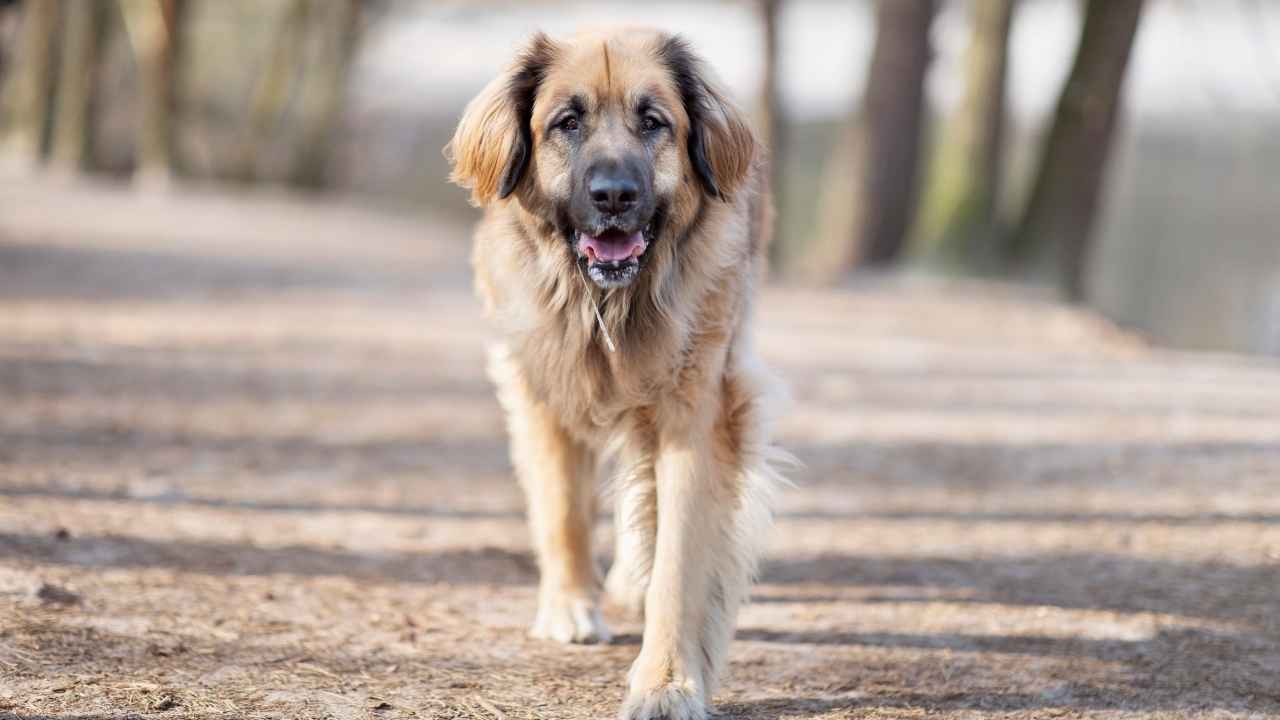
x=250 y=468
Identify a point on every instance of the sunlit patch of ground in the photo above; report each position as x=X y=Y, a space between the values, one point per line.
x=250 y=467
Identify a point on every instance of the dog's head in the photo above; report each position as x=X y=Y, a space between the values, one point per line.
x=614 y=140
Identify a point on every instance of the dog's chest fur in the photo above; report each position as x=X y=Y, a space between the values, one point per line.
x=596 y=393
x=668 y=360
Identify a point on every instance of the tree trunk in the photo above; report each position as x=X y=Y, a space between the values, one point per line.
x=71 y=130
x=772 y=117
x=8 y=18
x=869 y=187
x=26 y=101
x=153 y=27
x=956 y=226
x=1056 y=228
x=275 y=84
x=325 y=92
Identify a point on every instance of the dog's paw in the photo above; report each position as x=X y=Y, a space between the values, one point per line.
x=670 y=701
x=569 y=619
x=624 y=591
x=663 y=688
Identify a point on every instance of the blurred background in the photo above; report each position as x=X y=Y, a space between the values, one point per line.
x=1122 y=154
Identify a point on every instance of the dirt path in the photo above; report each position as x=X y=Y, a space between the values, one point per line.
x=250 y=467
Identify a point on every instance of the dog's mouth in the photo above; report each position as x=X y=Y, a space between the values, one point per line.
x=613 y=256
x=612 y=246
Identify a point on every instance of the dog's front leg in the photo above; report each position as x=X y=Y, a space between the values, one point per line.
x=558 y=477
x=696 y=584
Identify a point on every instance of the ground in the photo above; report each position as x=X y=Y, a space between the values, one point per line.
x=250 y=467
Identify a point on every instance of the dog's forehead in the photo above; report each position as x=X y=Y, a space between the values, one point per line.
x=608 y=69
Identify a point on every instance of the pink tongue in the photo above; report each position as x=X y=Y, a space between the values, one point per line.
x=612 y=247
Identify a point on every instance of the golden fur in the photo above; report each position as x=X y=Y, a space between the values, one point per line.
x=680 y=409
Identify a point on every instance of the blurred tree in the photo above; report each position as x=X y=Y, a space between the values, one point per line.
x=82 y=23
x=956 y=225
x=8 y=11
x=25 y=102
x=273 y=87
x=772 y=120
x=1054 y=234
x=324 y=91
x=154 y=28
x=869 y=185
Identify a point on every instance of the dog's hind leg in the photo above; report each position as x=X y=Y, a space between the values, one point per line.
x=635 y=527
x=558 y=477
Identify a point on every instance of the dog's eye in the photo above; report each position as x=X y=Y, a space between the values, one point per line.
x=569 y=124
x=649 y=123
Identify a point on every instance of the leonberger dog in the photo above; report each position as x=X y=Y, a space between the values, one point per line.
x=626 y=218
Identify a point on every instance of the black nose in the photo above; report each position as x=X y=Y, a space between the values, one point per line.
x=612 y=188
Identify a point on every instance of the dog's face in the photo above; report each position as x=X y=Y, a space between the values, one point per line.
x=604 y=127
x=612 y=140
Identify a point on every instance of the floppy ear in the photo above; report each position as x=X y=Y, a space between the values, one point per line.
x=721 y=144
x=493 y=143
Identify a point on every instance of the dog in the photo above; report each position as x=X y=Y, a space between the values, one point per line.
x=626 y=221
